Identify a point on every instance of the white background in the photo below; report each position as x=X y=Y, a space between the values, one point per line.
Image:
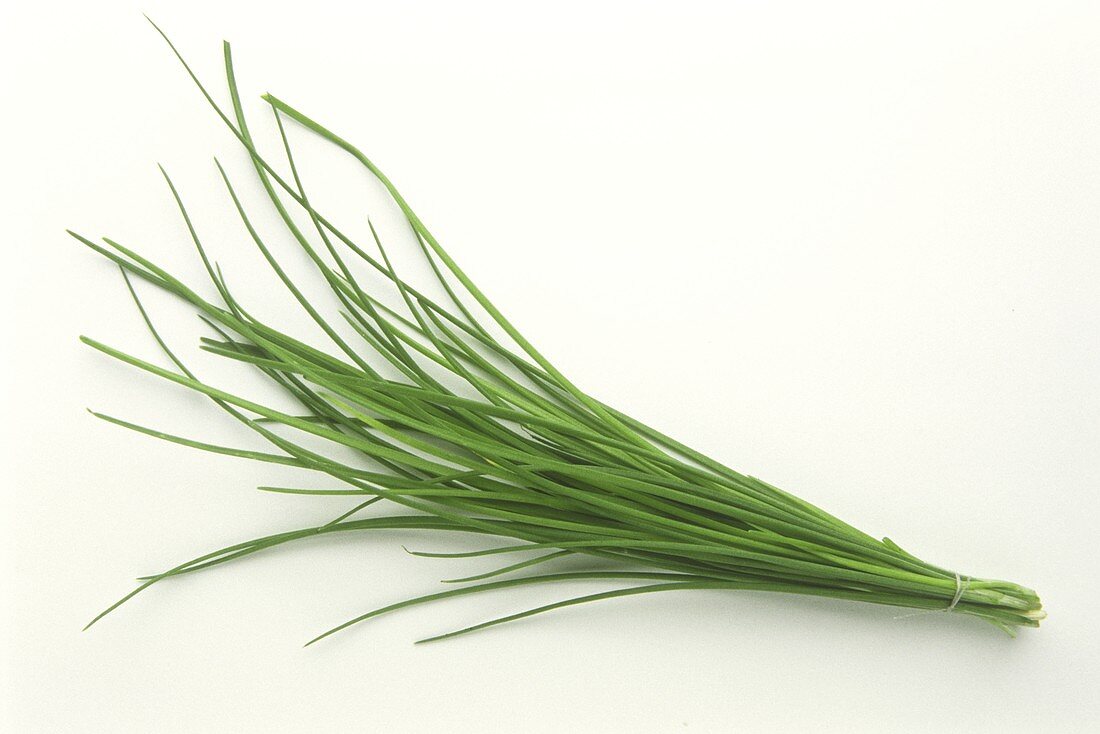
x=850 y=248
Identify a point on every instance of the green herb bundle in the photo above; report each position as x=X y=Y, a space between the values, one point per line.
x=475 y=433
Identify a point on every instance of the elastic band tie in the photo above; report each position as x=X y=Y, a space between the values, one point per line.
x=960 y=588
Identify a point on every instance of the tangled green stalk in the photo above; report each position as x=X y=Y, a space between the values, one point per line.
x=520 y=453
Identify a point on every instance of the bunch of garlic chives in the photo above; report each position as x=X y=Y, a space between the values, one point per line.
x=526 y=455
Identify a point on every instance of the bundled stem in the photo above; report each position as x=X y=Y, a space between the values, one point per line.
x=519 y=453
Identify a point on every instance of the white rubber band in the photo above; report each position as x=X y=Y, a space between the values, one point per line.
x=960 y=589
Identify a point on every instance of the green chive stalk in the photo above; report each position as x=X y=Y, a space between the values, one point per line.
x=519 y=453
